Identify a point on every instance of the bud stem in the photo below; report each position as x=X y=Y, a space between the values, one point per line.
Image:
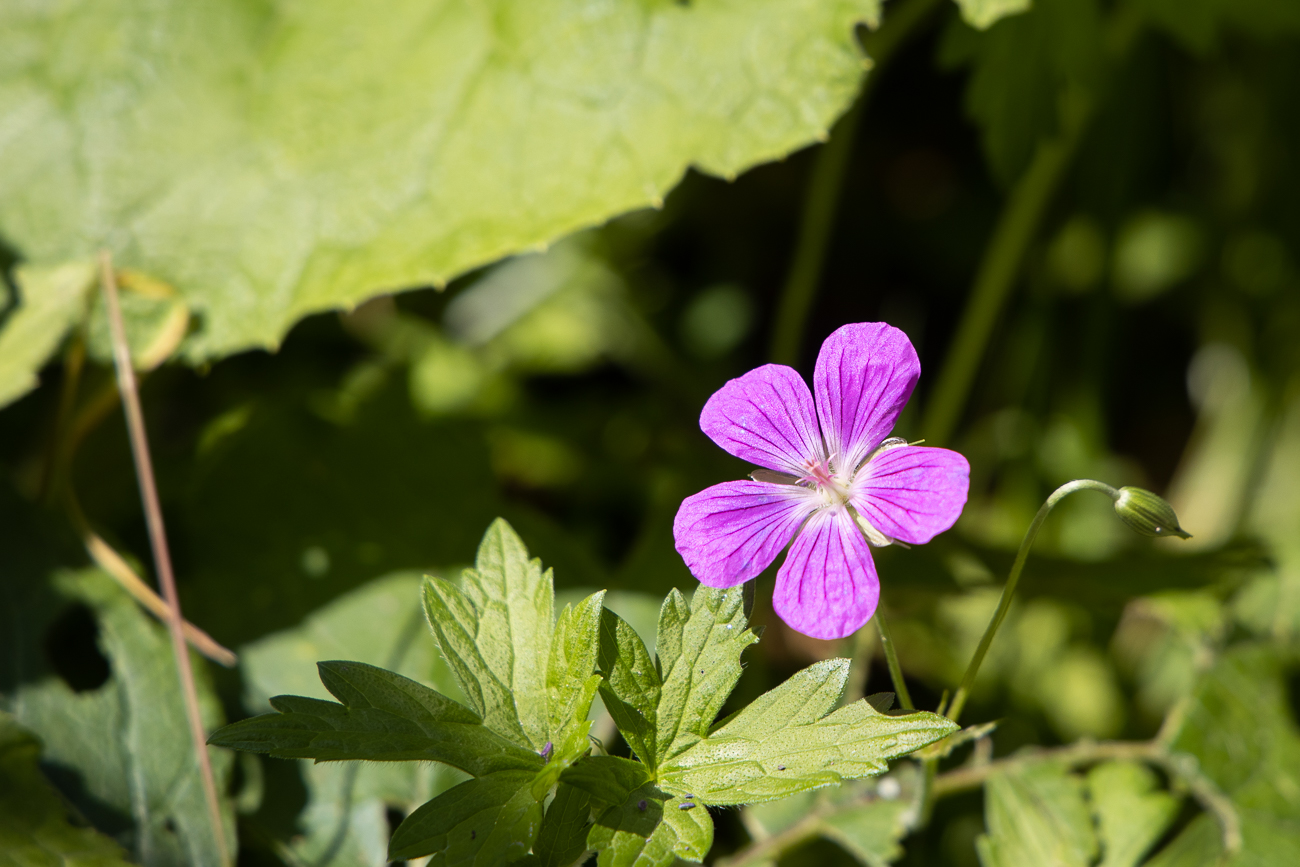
x=891 y=658
x=1004 y=604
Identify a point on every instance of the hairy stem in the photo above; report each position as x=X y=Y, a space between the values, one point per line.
x=891 y=657
x=158 y=541
x=1009 y=589
x=827 y=184
x=997 y=274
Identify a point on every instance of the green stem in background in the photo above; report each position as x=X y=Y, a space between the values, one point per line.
x=1016 y=229
x=827 y=183
x=891 y=657
x=1004 y=604
x=861 y=649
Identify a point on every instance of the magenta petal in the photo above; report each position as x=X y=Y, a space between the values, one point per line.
x=865 y=374
x=827 y=586
x=729 y=533
x=912 y=493
x=765 y=417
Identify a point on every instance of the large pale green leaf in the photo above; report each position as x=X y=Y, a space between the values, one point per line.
x=35 y=826
x=699 y=647
x=785 y=742
x=384 y=717
x=51 y=300
x=1037 y=815
x=486 y=821
x=495 y=633
x=382 y=623
x=1131 y=812
x=120 y=751
x=274 y=160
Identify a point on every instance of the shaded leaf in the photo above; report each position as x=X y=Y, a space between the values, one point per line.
x=120 y=751
x=1239 y=728
x=270 y=166
x=784 y=742
x=563 y=835
x=383 y=717
x=607 y=779
x=36 y=827
x=485 y=821
x=633 y=833
x=872 y=832
x=631 y=686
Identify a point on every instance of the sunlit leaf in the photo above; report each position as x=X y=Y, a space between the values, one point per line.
x=1037 y=815
x=699 y=645
x=51 y=301
x=269 y=165
x=495 y=633
x=1132 y=813
x=983 y=14
x=788 y=741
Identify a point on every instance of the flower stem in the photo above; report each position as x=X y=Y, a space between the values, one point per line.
x=827 y=184
x=968 y=680
x=891 y=657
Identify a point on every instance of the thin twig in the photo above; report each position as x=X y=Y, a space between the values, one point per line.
x=106 y=558
x=158 y=540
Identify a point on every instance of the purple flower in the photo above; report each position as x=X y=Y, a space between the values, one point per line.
x=829 y=480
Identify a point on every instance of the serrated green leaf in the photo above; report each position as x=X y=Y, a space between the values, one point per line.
x=784 y=743
x=631 y=686
x=983 y=14
x=485 y=821
x=1036 y=815
x=384 y=717
x=607 y=779
x=381 y=623
x=563 y=835
x=495 y=633
x=570 y=682
x=633 y=833
x=1132 y=814
x=699 y=646
x=274 y=166
x=51 y=301
x=692 y=828
x=35 y=826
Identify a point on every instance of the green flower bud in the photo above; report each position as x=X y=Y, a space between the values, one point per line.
x=1148 y=514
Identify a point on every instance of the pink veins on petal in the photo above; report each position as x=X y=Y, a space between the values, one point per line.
x=829 y=480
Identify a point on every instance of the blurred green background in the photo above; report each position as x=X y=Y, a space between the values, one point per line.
x=1112 y=187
